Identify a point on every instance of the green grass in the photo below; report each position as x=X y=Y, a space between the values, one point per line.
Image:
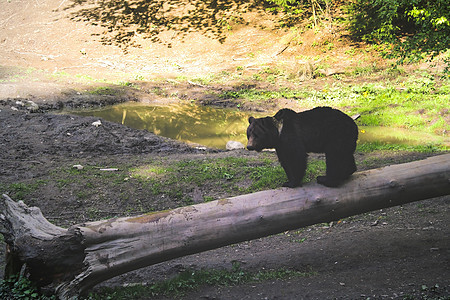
x=90 y=176
x=253 y=94
x=416 y=104
x=365 y=70
x=192 y=279
x=267 y=176
x=375 y=146
x=18 y=191
x=105 y=90
x=419 y=102
x=172 y=178
x=234 y=175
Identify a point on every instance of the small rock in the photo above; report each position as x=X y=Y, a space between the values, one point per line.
x=234 y=145
x=97 y=123
x=32 y=107
x=79 y=167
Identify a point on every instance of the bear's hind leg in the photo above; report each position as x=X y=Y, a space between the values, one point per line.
x=329 y=182
x=339 y=168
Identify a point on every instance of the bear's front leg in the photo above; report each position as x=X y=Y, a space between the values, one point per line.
x=293 y=161
x=292 y=184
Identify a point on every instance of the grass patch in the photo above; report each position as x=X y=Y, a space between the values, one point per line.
x=92 y=175
x=267 y=176
x=375 y=146
x=192 y=279
x=18 y=191
x=419 y=102
x=221 y=169
x=365 y=70
x=225 y=173
x=105 y=90
x=231 y=175
x=252 y=94
x=387 y=106
x=149 y=171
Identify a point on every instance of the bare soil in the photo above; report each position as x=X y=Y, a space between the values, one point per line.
x=49 y=55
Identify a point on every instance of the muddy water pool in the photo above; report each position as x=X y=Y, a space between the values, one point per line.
x=214 y=127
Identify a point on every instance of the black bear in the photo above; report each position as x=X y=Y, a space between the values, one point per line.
x=293 y=135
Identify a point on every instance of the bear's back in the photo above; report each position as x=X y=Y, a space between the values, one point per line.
x=323 y=126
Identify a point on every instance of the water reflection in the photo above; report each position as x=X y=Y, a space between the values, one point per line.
x=214 y=127
x=211 y=127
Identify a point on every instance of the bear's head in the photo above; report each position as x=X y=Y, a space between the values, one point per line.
x=263 y=133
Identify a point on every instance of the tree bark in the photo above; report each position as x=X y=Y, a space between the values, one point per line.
x=84 y=255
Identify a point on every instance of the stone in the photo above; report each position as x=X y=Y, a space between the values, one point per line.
x=234 y=145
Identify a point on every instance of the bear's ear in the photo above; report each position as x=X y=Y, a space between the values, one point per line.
x=278 y=124
x=250 y=120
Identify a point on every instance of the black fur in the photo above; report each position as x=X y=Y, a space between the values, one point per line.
x=293 y=135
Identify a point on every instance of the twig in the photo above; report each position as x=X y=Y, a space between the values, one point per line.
x=62 y=2
x=7 y=19
x=287 y=46
x=194 y=83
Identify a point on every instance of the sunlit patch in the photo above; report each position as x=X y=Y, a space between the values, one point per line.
x=148 y=171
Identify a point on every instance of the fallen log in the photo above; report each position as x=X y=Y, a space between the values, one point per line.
x=75 y=259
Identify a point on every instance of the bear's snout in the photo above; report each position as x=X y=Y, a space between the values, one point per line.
x=251 y=144
x=253 y=148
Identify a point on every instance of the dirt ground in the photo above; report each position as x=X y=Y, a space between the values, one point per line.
x=49 y=56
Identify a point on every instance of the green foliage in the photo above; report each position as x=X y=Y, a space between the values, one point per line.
x=297 y=10
x=409 y=29
x=20 y=289
x=192 y=279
